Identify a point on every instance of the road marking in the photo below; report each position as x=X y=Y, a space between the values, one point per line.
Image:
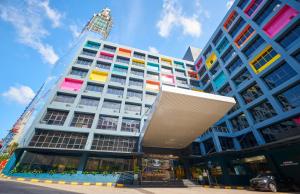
x=48 y=181
x=240 y=187
x=120 y=185
x=34 y=180
x=109 y=184
x=99 y=184
x=86 y=184
x=61 y=182
x=227 y=187
x=20 y=179
x=74 y=183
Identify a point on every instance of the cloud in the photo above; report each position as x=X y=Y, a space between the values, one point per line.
x=153 y=50
x=21 y=94
x=172 y=16
x=75 y=30
x=28 y=21
x=229 y=3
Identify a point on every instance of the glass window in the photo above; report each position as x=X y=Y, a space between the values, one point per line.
x=253 y=46
x=226 y=143
x=115 y=91
x=88 y=52
x=282 y=130
x=217 y=38
x=123 y=60
x=84 y=61
x=109 y=48
x=225 y=90
x=237 y=26
x=136 y=83
x=139 y=55
x=223 y=44
x=79 y=72
x=235 y=107
x=297 y=56
x=262 y=112
x=82 y=120
x=251 y=93
x=235 y=64
x=244 y=36
x=180 y=73
x=133 y=108
x=130 y=125
x=228 y=54
x=118 y=79
x=239 y=122
x=58 y=139
x=88 y=101
x=108 y=164
x=181 y=81
x=209 y=146
x=290 y=37
x=114 y=143
x=290 y=98
x=107 y=122
x=134 y=94
x=269 y=7
x=280 y=75
x=54 y=117
x=230 y=20
x=205 y=80
x=242 y=77
x=252 y=7
x=151 y=75
x=92 y=44
x=64 y=98
x=242 y=4
x=94 y=87
x=137 y=72
x=103 y=65
x=214 y=69
x=166 y=70
x=112 y=105
x=264 y=58
x=150 y=97
x=247 y=140
x=153 y=59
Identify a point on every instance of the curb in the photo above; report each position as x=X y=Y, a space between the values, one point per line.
x=63 y=182
x=224 y=187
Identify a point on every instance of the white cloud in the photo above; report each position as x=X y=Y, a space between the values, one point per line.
x=229 y=3
x=172 y=16
x=153 y=50
x=21 y=94
x=75 y=30
x=29 y=24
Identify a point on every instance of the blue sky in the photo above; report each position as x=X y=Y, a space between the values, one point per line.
x=36 y=33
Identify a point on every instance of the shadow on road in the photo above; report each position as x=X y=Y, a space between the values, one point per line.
x=11 y=187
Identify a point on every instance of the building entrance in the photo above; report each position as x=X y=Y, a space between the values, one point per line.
x=165 y=168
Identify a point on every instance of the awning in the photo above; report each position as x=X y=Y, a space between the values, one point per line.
x=179 y=116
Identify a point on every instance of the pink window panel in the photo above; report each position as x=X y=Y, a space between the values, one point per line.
x=168 y=79
x=71 y=84
x=280 y=20
x=106 y=54
x=198 y=64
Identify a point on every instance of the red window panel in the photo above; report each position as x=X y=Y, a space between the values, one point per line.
x=253 y=7
x=230 y=20
x=244 y=36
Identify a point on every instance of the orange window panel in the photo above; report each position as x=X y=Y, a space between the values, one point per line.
x=244 y=36
x=124 y=52
x=230 y=19
x=193 y=74
x=152 y=85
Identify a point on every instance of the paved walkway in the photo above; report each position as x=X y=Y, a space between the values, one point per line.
x=18 y=187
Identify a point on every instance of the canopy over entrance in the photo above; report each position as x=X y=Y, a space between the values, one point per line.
x=179 y=116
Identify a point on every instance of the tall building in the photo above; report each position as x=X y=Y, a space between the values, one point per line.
x=120 y=109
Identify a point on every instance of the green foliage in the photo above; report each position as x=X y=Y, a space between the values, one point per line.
x=4 y=157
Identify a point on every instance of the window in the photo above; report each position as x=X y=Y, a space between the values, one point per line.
x=230 y=20
x=228 y=54
x=209 y=89
x=290 y=37
x=181 y=81
x=94 y=87
x=179 y=65
x=223 y=44
x=123 y=60
x=290 y=98
x=88 y=101
x=262 y=112
x=138 y=63
x=112 y=105
x=133 y=109
x=107 y=123
x=264 y=59
x=112 y=165
x=84 y=61
x=226 y=143
x=281 y=130
x=115 y=91
x=109 y=48
x=243 y=76
x=202 y=71
x=119 y=69
x=136 y=72
x=165 y=61
x=205 y=80
x=88 y=52
x=237 y=26
x=235 y=107
x=55 y=117
x=251 y=93
x=64 y=98
x=150 y=97
x=297 y=56
x=134 y=94
x=78 y=72
x=235 y=64
x=58 y=139
x=139 y=55
x=217 y=38
x=106 y=56
x=153 y=59
x=219 y=80
x=252 y=7
x=242 y=4
x=118 y=79
x=247 y=140
x=279 y=75
x=253 y=46
x=152 y=66
x=244 y=36
x=114 y=143
x=209 y=146
x=82 y=120
x=239 y=122
x=71 y=84
x=130 y=125
x=103 y=65
x=225 y=90
x=166 y=70
x=136 y=83
x=180 y=73
x=91 y=44
x=151 y=75
x=269 y=7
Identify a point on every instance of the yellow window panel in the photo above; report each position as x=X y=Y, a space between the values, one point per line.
x=211 y=60
x=166 y=61
x=100 y=76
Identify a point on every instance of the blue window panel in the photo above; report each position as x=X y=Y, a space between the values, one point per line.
x=279 y=75
x=290 y=98
x=120 y=69
x=253 y=46
x=291 y=37
x=219 y=80
x=92 y=44
x=223 y=45
x=270 y=7
x=152 y=66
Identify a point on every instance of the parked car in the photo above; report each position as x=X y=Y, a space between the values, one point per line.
x=270 y=182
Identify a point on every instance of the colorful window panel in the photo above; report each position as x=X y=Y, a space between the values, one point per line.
x=71 y=84
x=244 y=36
x=230 y=20
x=252 y=7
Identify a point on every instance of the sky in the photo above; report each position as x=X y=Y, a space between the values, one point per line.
x=34 y=34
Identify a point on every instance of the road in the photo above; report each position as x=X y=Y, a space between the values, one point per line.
x=14 y=187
